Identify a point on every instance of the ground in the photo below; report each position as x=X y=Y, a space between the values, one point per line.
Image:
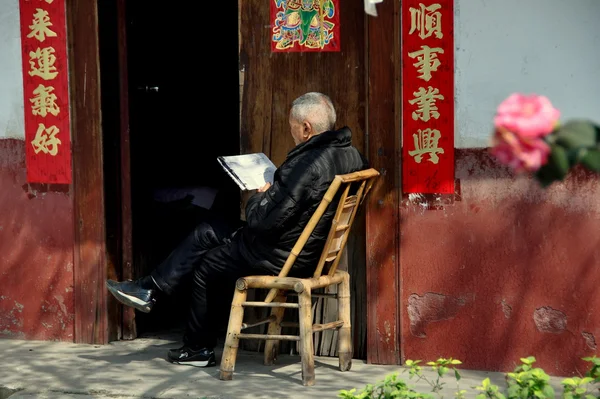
x=138 y=369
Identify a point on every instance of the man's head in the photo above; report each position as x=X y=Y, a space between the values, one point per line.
x=311 y=114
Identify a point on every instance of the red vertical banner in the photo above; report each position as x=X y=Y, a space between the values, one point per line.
x=428 y=96
x=46 y=91
x=305 y=25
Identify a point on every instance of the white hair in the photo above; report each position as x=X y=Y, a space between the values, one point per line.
x=317 y=109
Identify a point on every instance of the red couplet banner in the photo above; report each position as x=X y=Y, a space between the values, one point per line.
x=428 y=96
x=46 y=91
x=305 y=25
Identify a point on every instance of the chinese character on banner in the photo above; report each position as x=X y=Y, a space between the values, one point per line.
x=428 y=96
x=305 y=25
x=46 y=91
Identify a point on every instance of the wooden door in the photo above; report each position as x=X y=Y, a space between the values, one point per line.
x=271 y=81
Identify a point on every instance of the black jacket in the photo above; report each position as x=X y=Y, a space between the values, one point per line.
x=275 y=219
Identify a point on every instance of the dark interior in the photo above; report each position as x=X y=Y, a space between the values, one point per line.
x=184 y=113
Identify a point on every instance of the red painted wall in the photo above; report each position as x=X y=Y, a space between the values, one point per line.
x=36 y=253
x=506 y=271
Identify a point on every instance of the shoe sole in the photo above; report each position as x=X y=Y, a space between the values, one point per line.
x=129 y=300
x=206 y=363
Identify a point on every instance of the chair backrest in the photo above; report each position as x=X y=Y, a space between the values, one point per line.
x=354 y=188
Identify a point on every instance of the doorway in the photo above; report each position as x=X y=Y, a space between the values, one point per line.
x=182 y=100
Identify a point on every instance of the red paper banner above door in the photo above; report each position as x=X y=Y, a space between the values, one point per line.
x=305 y=25
x=428 y=96
x=46 y=91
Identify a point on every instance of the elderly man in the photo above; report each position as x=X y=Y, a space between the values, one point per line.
x=275 y=217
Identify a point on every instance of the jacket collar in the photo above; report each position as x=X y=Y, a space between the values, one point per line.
x=332 y=138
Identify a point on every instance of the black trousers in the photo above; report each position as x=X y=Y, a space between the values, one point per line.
x=209 y=256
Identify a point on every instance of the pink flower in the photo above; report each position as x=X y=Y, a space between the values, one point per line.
x=522 y=154
x=527 y=116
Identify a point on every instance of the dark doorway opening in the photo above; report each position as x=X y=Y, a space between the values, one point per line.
x=182 y=94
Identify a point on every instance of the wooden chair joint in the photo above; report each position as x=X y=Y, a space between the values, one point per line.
x=269 y=319
x=342 y=227
x=327 y=326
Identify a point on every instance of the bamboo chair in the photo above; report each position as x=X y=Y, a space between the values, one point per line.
x=325 y=275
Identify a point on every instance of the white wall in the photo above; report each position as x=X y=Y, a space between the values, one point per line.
x=549 y=47
x=11 y=76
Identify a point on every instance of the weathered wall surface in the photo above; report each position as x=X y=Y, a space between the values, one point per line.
x=36 y=222
x=36 y=254
x=506 y=271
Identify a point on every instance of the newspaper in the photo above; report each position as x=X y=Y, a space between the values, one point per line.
x=249 y=171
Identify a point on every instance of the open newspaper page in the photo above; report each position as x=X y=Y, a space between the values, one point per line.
x=249 y=171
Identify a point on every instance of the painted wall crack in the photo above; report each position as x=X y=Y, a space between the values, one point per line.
x=429 y=308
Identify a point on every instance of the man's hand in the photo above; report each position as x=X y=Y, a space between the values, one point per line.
x=264 y=188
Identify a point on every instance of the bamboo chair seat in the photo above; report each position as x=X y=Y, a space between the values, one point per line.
x=352 y=190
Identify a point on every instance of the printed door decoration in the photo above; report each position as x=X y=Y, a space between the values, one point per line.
x=46 y=91
x=428 y=96
x=305 y=25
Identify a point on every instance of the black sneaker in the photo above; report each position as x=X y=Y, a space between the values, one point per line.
x=199 y=358
x=131 y=293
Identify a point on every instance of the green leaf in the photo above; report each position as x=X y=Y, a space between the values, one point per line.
x=560 y=161
x=555 y=169
x=576 y=134
x=457 y=375
x=569 y=381
x=455 y=361
x=591 y=159
x=442 y=370
x=347 y=394
x=548 y=391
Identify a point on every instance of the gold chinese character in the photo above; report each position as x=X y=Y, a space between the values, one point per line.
x=425 y=100
x=41 y=26
x=49 y=1
x=427 y=61
x=45 y=140
x=44 y=101
x=426 y=142
x=42 y=63
x=426 y=20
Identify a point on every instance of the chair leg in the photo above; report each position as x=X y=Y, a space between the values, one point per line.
x=236 y=318
x=306 y=338
x=345 y=332
x=272 y=345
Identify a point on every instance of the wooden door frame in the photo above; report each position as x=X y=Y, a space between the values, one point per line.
x=95 y=321
x=384 y=316
x=128 y=326
x=89 y=252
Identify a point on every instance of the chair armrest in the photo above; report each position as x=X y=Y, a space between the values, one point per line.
x=270 y=282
